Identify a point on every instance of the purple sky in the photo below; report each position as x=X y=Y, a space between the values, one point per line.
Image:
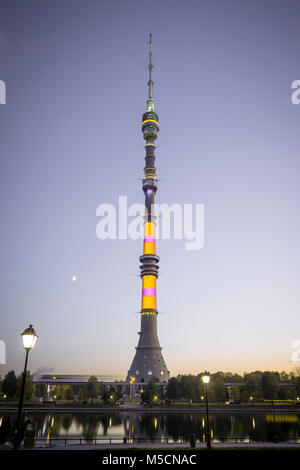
x=76 y=77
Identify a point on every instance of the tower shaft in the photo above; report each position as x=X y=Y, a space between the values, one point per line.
x=148 y=361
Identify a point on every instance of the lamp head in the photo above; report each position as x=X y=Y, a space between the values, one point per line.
x=29 y=337
x=206 y=377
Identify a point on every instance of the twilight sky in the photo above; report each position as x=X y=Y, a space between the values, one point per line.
x=76 y=78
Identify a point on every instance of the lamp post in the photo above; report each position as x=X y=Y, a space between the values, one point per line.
x=131 y=388
x=29 y=338
x=205 y=380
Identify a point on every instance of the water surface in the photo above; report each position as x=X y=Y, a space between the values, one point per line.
x=174 y=426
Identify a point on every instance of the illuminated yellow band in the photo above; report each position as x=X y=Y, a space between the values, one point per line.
x=148 y=313
x=149 y=228
x=150 y=120
x=149 y=282
x=149 y=302
x=149 y=248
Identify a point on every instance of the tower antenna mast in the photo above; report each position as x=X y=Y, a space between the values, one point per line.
x=150 y=100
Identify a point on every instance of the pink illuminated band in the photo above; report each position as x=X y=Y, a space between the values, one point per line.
x=148 y=292
x=149 y=238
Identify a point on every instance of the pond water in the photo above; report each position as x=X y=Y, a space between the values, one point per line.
x=152 y=426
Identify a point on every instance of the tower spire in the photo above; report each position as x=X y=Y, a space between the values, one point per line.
x=150 y=100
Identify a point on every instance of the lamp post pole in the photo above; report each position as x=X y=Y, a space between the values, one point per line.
x=20 y=408
x=208 y=444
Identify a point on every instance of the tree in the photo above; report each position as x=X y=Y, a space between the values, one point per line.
x=69 y=393
x=173 y=389
x=9 y=385
x=83 y=394
x=117 y=391
x=284 y=377
x=109 y=394
x=58 y=392
x=151 y=393
x=93 y=388
x=297 y=388
x=218 y=389
x=105 y=394
x=236 y=393
x=295 y=377
x=233 y=378
x=28 y=392
x=40 y=390
x=252 y=386
x=190 y=387
x=270 y=385
x=286 y=392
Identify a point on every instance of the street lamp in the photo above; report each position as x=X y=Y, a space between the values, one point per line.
x=205 y=380
x=29 y=338
x=131 y=387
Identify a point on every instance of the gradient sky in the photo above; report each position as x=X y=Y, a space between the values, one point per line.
x=76 y=77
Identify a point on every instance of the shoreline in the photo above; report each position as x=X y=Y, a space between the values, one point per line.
x=170 y=447
x=145 y=410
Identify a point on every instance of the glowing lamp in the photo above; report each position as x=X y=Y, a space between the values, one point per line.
x=29 y=337
x=206 y=378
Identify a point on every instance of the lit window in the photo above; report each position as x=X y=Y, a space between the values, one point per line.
x=137 y=372
x=162 y=372
x=149 y=372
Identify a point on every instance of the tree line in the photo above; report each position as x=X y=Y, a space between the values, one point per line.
x=258 y=385
x=10 y=388
x=253 y=386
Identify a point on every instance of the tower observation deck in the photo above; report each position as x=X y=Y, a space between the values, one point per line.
x=148 y=361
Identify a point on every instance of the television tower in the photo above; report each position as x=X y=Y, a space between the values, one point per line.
x=148 y=361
